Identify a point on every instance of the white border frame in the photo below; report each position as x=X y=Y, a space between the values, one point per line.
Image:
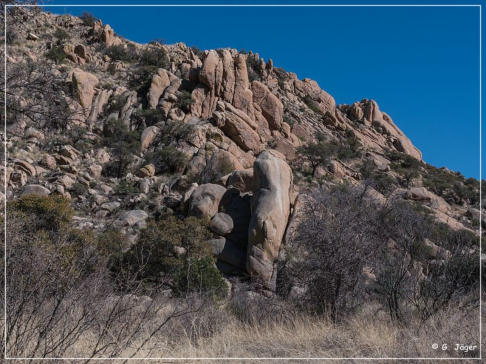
x=233 y=6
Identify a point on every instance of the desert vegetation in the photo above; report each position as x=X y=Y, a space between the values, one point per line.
x=164 y=201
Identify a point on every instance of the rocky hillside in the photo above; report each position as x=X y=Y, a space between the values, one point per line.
x=131 y=132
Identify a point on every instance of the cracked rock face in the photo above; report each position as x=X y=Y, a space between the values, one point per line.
x=270 y=210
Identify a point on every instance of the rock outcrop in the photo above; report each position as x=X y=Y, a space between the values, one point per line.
x=269 y=214
x=84 y=84
x=160 y=81
x=205 y=199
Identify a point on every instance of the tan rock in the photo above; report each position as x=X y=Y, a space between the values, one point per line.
x=98 y=105
x=310 y=88
x=221 y=224
x=31 y=132
x=220 y=164
x=228 y=85
x=243 y=97
x=69 y=151
x=109 y=37
x=271 y=106
x=148 y=136
x=147 y=171
x=35 y=190
x=160 y=81
x=25 y=166
x=211 y=73
x=66 y=181
x=434 y=201
x=269 y=215
x=95 y=170
x=433 y=251
x=63 y=160
x=242 y=180
x=205 y=199
x=102 y=156
x=32 y=36
x=237 y=130
x=84 y=84
x=48 y=161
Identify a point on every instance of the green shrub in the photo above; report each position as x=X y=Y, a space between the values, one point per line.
x=175 y=252
x=124 y=144
x=351 y=148
x=311 y=104
x=126 y=188
x=167 y=159
x=43 y=213
x=12 y=36
x=176 y=130
x=79 y=189
x=88 y=19
x=316 y=154
x=185 y=101
x=56 y=54
x=452 y=186
x=157 y=41
x=61 y=34
x=116 y=104
x=253 y=68
x=320 y=153
x=140 y=80
x=201 y=275
x=155 y=57
x=150 y=116
x=287 y=119
x=120 y=52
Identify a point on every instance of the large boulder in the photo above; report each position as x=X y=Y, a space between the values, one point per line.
x=148 y=136
x=160 y=81
x=270 y=210
x=84 y=84
x=205 y=199
x=430 y=198
x=221 y=223
x=35 y=190
x=132 y=217
x=220 y=164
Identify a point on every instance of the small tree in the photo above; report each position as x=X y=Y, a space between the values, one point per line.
x=316 y=154
x=167 y=159
x=88 y=19
x=174 y=252
x=124 y=144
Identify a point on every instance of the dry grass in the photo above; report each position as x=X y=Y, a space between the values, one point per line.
x=216 y=333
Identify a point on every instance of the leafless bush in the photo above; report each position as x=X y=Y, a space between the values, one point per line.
x=60 y=294
x=36 y=95
x=342 y=232
x=336 y=238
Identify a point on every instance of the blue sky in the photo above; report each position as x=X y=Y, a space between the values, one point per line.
x=421 y=64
